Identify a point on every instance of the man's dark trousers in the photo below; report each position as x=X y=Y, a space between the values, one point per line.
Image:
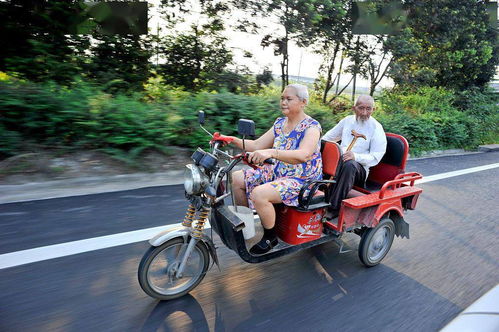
x=351 y=173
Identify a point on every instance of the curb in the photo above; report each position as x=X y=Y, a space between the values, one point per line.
x=488 y=148
x=87 y=186
x=444 y=153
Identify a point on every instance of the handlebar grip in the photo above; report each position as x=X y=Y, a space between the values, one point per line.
x=269 y=161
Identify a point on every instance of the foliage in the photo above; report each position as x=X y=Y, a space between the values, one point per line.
x=433 y=118
x=480 y=107
x=446 y=43
x=299 y=20
x=120 y=62
x=85 y=116
x=35 y=40
x=194 y=58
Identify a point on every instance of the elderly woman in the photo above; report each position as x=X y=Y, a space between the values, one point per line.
x=294 y=144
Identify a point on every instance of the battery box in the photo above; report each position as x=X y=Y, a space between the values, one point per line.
x=296 y=227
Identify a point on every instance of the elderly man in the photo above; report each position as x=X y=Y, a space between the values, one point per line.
x=364 y=154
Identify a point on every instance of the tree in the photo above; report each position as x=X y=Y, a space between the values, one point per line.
x=265 y=78
x=446 y=43
x=377 y=69
x=37 y=42
x=331 y=39
x=194 y=58
x=120 y=62
x=298 y=21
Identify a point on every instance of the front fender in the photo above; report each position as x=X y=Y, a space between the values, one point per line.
x=183 y=232
x=162 y=237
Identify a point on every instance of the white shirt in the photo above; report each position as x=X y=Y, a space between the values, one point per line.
x=368 y=152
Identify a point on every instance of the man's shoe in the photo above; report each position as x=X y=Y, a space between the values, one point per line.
x=264 y=246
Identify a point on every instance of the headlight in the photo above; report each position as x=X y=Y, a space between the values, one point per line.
x=194 y=180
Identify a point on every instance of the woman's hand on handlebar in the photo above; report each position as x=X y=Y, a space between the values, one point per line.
x=260 y=156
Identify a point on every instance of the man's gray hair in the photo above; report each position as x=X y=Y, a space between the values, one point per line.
x=365 y=98
x=301 y=91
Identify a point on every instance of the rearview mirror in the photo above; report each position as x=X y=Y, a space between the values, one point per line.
x=246 y=127
x=201 y=117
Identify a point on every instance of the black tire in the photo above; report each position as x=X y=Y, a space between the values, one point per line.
x=376 y=242
x=147 y=280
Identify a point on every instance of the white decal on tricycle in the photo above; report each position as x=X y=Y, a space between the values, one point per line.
x=311 y=229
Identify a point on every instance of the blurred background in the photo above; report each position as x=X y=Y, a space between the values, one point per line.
x=118 y=84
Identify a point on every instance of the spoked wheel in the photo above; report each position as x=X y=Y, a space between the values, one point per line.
x=158 y=268
x=376 y=242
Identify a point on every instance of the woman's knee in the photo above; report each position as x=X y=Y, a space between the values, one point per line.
x=264 y=194
x=238 y=180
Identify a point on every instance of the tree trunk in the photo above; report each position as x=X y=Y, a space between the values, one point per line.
x=339 y=71
x=330 y=69
x=285 y=58
x=354 y=87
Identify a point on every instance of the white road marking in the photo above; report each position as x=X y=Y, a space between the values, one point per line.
x=83 y=208
x=76 y=247
x=456 y=173
x=8 y=214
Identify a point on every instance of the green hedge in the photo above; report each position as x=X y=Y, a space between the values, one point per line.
x=84 y=117
x=435 y=118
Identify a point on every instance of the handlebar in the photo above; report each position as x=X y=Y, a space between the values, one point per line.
x=269 y=161
x=397 y=182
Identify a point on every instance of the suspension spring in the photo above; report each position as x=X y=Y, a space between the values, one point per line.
x=189 y=216
x=197 y=232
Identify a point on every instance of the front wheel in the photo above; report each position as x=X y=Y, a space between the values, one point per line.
x=376 y=242
x=158 y=268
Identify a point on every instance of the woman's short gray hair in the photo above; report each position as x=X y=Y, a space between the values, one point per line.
x=301 y=91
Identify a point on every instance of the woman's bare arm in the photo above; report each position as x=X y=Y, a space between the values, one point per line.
x=304 y=152
x=263 y=142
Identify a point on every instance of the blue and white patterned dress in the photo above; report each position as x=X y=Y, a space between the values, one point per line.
x=288 y=179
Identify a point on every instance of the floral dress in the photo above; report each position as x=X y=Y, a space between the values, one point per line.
x=288 y=179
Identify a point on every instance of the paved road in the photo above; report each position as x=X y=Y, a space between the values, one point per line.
x=450 y=260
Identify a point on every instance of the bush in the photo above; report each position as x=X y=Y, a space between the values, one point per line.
x=435 y=118
x=83 y=116
x=480 y=108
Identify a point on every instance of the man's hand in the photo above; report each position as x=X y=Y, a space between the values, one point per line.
x=349 y=155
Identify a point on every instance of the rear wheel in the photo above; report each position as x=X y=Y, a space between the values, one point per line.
x=158 y=268
x=376 y=242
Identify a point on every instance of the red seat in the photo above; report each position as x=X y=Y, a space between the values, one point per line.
x=392 y=164
x=331 y=158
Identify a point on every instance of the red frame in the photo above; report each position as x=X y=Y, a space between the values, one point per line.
x=365 y=208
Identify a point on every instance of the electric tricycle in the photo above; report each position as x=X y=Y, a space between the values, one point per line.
x=179 y=258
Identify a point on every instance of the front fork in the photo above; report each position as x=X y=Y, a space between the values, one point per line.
x=196 y=232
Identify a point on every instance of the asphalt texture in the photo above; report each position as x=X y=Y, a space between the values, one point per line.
x=449 y=261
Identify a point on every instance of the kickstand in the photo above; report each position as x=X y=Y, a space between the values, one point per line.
x=342 y=245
